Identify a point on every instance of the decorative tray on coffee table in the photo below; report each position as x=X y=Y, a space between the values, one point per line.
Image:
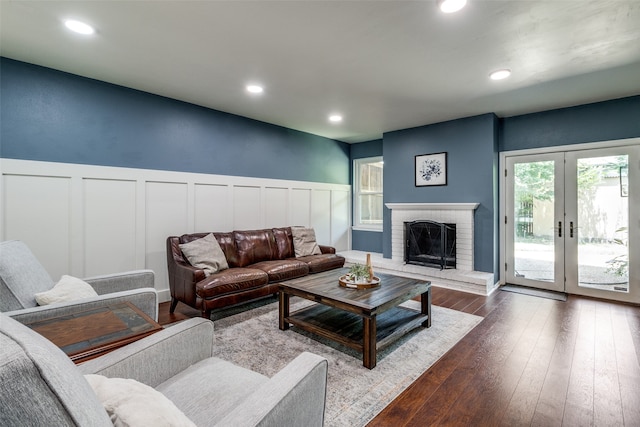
x=347 y=282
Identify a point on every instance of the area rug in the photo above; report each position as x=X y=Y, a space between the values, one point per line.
x=355 y=394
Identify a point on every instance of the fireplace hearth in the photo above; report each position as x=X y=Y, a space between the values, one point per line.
x=430 y=244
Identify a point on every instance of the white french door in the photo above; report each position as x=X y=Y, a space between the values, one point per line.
x=573 y=222
x=534 y=221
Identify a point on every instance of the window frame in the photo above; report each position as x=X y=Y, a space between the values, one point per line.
x=357 y=165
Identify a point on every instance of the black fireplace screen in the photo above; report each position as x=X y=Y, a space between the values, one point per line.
x=430 y=243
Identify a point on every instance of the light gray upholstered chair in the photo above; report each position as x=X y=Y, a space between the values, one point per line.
x=40 y=386
x=22 y=276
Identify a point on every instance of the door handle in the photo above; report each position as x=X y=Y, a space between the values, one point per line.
x=559 y=228
x=571 y=229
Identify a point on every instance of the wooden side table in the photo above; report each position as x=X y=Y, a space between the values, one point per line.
x=88 y=334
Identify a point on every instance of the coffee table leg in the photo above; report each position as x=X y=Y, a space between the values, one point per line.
x=425 y=305
x=283 y=298
x=369 y=354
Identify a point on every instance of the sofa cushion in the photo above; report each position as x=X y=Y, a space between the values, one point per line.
x=324 y=262
x=282 y=269
x=226 y=386
x=206 y=254
x=284 y=242
x=68 y=288
x=255 y=246
x=130 y=403
x=226 y=241
x=231 y=281
x=304 y=241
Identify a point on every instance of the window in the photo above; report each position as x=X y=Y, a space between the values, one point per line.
x=367 y=193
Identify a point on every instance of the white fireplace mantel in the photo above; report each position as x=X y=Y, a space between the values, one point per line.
x=432 y=206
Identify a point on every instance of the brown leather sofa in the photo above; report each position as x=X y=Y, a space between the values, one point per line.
x=258 y=260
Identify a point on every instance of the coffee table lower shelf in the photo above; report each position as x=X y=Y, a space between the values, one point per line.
x=347 y=328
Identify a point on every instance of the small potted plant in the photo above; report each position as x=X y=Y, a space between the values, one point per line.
x=359 y=273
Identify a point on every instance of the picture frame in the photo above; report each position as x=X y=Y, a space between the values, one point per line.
x=431 y=169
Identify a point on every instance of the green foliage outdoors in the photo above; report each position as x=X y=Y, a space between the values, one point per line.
x=535 y=181
x=620 y=264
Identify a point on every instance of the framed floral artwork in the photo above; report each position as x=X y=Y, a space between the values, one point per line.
x=431 y=169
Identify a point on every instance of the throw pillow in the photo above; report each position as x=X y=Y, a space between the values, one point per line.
x=131 y=403
x=68 y=288
x=205 y=254
x=304 y=241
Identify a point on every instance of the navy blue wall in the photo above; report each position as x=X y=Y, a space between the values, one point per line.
x=369 y=241
x=53 y=116
x=601 y=121
x=472 y=164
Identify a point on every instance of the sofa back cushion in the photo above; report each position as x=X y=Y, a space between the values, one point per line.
x=206 y=254
x=225 y=240
x=40 y=385
x=21 y=276
x=284 y=242
x=255 y=246
x=304 y=241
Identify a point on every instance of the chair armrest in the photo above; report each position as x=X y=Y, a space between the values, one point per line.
x=145 y=299
x=158 y=357
x=110 y=283
x=295 y=396
x=327 y=249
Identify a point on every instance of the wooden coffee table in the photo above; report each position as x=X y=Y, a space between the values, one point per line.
x=366 y=320
x=91 y=333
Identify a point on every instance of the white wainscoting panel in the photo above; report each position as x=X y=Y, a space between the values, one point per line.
x=275 y=207
x=109 y=226
x=208 y=215
x=247 y=210
x=36 y=210
x=341 y=218
x=86 y=220
x=166 y=215
x=300 y=207
x=320 y=221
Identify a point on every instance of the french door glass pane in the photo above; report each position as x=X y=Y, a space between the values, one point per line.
x=603 y=221
x=534 y=256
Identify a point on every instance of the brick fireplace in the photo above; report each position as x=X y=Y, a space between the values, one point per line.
x=463 y=277
x=460 y=214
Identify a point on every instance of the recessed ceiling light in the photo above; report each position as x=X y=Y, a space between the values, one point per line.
x=500 y=74
x=255 y=89
x=79 y=27
x=335 y=118
x=450 y=6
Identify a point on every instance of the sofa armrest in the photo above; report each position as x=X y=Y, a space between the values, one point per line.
x=158 y=357
x=186 y=273
x=295 y=396
x=145 y=299
x=110 y=283
x=327 y=249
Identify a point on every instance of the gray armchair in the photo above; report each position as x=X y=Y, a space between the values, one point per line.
x=22 y=276
x=39 y=385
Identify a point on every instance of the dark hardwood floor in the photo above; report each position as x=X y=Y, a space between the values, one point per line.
x=530 y=362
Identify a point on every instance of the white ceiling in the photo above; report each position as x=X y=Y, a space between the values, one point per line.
x=384 y=65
